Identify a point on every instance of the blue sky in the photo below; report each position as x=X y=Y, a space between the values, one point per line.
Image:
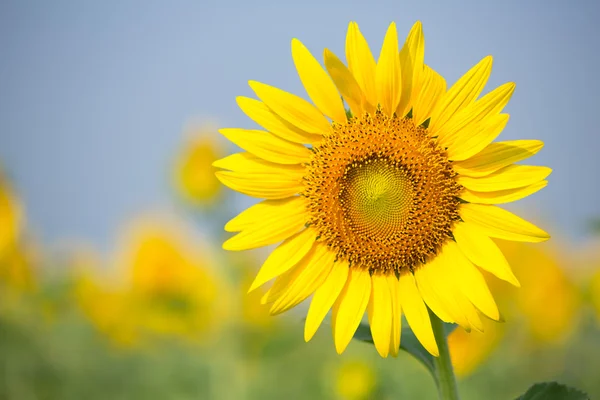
x=94 y=95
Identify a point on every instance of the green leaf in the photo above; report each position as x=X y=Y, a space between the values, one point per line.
x=408 y=342
x=553 y=391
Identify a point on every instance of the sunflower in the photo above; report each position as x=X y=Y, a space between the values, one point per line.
x=388 y=207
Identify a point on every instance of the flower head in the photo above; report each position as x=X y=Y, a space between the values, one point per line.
x=388 y=207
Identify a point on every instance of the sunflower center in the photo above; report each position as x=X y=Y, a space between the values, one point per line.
x=376 y=198
x=381 y=193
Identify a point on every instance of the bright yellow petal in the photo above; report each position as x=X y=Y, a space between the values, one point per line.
x=470 y=281
x=489 y=105
x=412 y=57
x=268 y=146
x=416 y=313
x=258 y=178
x=304 y=279
x=483 y=252
x=501 y=196
x=361 y=62
x=431 y=89
x=388 y=77
x=346 y=84
x=317 y=83
x=461 y=94
x=324 y=298
x=380 y=314
x=265 y=117
x=292 y=108
x=349 y=307
x=267 y=223
x=511 y=177
x=497 y=155
x=394 y=288
x=499 y=223
x=482 y=134
x=284 y=257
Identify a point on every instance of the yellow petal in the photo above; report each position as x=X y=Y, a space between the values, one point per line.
x=497 y=155
x=461 y=94
x=265 y=117
x=324 y=298
x=388 y=77
x=361 y=62
x=346 y=84
x=349 y=307
x=511 y=177
x=380 y=314
x=501 y=196
x=394 y=288
x=267 y=223
x=317 y=83
x=411 y=64
x=268 y=146
x=292 y=108
x=483 y=252
x=431 y=89
x=416 y=313
x=306 y=277
x=258 y=178
x=489 y=105
x=284 y=257
x=499 y=223
x=472 y=142
x=469 y=279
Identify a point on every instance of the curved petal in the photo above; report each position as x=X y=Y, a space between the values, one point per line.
x=388 y=77
x=469 y=280
x=489 y=105
x=461 y=94
x=268 y=146
x=361 y=62
x=258 y=178
x=416 y=313
x=285 y=256
x=497 y=155
x=499 y=223
x=511 y=177
x=300 y=282
x=346 y=84
x=317 y=83
x=380 y=314
x=501 y=196
x=471 y=143
x=483 y=252
x=324 y=298
x=350 y=307
x=257 y=111
x=267 y=223
x=431 y=90
x=412 y=57
x=292 y=108
x=394 y=288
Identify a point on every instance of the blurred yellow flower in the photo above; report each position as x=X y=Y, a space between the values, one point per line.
x=551 y=301
x=595 y=292
x=194 y=174
x=11 y=215
x=356 y=380
x=172 y=283
x=469 y=349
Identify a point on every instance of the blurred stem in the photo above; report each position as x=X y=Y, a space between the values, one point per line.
x=443 y=371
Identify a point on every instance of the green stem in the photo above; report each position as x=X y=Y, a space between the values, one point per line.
x=443 y=371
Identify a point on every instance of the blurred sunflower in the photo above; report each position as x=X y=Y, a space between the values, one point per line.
x=173 y=285
x=595 y=292
x=355 y=380
x=388 y=206
x=11 y=215
x=193 y=172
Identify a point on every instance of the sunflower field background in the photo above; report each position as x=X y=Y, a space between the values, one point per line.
x=113 y=282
